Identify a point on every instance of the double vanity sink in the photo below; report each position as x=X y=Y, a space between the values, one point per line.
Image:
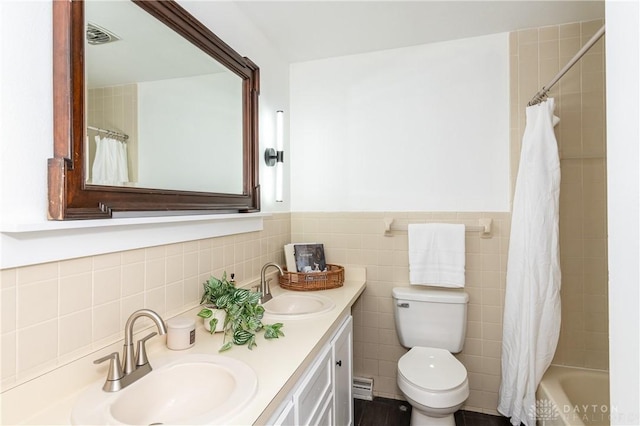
x=201 y=386
x=293 y=305
x=190 y=389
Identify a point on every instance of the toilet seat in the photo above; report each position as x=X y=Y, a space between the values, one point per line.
x=432 y=369
x=432 y=377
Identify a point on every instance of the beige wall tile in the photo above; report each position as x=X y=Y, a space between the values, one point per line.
x=156 y=300
x=8 y=278
x=106 y=320
x=528 y=36
x=569 y=30
x=75 y=332
x=192 y=291
x=106 y=261
x=154 y=273
x=75 y=293
x=106 y=285
x=568 y=47
x=8 y=358
x=76 y=266
x=174 y=268
x=549 y=33
x=45 y=308
x=35 y=273
x=37 y=345
x=133 y=278
x=133 y=256
x=174 y=298
x=8 y=314
x=88 y=300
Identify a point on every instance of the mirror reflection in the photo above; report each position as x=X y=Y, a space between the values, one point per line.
x=161 y=113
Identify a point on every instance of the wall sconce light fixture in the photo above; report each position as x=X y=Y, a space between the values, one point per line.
x=275 y=157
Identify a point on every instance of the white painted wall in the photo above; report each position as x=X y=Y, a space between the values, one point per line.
x=211 y=110
x=422 y=128
x=26 y=131
x=623 y=187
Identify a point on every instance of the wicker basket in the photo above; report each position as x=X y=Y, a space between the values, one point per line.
x=333 y=278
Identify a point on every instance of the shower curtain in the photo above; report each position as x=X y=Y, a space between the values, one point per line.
x=110 y=164
x=531 y=323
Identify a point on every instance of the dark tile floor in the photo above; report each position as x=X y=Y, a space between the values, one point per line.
x=381 y=412
x=391 y=412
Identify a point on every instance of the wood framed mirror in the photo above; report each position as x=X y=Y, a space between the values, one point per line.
x=75 y=194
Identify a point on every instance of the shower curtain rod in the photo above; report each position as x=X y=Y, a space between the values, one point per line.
x=110 y=133
x=542 y=93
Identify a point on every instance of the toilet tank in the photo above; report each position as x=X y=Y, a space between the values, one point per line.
x=431 y=317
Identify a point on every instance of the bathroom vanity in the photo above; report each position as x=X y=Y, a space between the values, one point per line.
x=302 y=377
x=323 y=394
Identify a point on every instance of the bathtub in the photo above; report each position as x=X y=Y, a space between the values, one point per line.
x=573 y=396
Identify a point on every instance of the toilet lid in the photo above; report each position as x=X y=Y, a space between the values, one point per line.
x=432 y=369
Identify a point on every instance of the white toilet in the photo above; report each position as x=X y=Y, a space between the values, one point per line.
x=432 y=322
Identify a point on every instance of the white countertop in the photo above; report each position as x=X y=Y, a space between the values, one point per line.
x=278 y=363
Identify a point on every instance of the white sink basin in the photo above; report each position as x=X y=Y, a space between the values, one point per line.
x=297 y=305
x=192 y=389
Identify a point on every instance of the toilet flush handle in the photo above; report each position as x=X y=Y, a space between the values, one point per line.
x=403 y=305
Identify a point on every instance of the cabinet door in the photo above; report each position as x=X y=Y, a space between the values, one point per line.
x=325 y=414
x=314 y=389
x=342 y=346
x=286 y=416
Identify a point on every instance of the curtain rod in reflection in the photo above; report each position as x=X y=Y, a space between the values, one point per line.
x=117 y=135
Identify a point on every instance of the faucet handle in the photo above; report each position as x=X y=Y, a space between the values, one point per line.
x=115 y=369
x=141 y=358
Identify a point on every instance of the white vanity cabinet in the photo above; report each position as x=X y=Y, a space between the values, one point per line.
x=323 y=395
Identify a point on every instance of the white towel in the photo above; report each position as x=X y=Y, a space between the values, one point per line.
x=436 y=254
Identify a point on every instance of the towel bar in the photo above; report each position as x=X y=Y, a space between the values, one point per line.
x=484 y=227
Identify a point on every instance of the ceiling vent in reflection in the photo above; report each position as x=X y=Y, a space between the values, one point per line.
x=98 y=35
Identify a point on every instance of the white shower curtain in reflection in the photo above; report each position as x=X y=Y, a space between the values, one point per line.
x=110 y=164
x=531 y=323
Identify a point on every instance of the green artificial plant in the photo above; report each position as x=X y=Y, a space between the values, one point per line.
x=244 y=313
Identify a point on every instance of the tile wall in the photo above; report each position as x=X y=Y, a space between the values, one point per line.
x=358 y=238
x=57 y=312
x=115 y=108
x=536 y=56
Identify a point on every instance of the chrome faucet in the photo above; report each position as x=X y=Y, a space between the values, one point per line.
x=264 y=284
x=121 y=376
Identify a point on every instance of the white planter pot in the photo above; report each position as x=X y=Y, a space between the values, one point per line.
x=220 y=314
